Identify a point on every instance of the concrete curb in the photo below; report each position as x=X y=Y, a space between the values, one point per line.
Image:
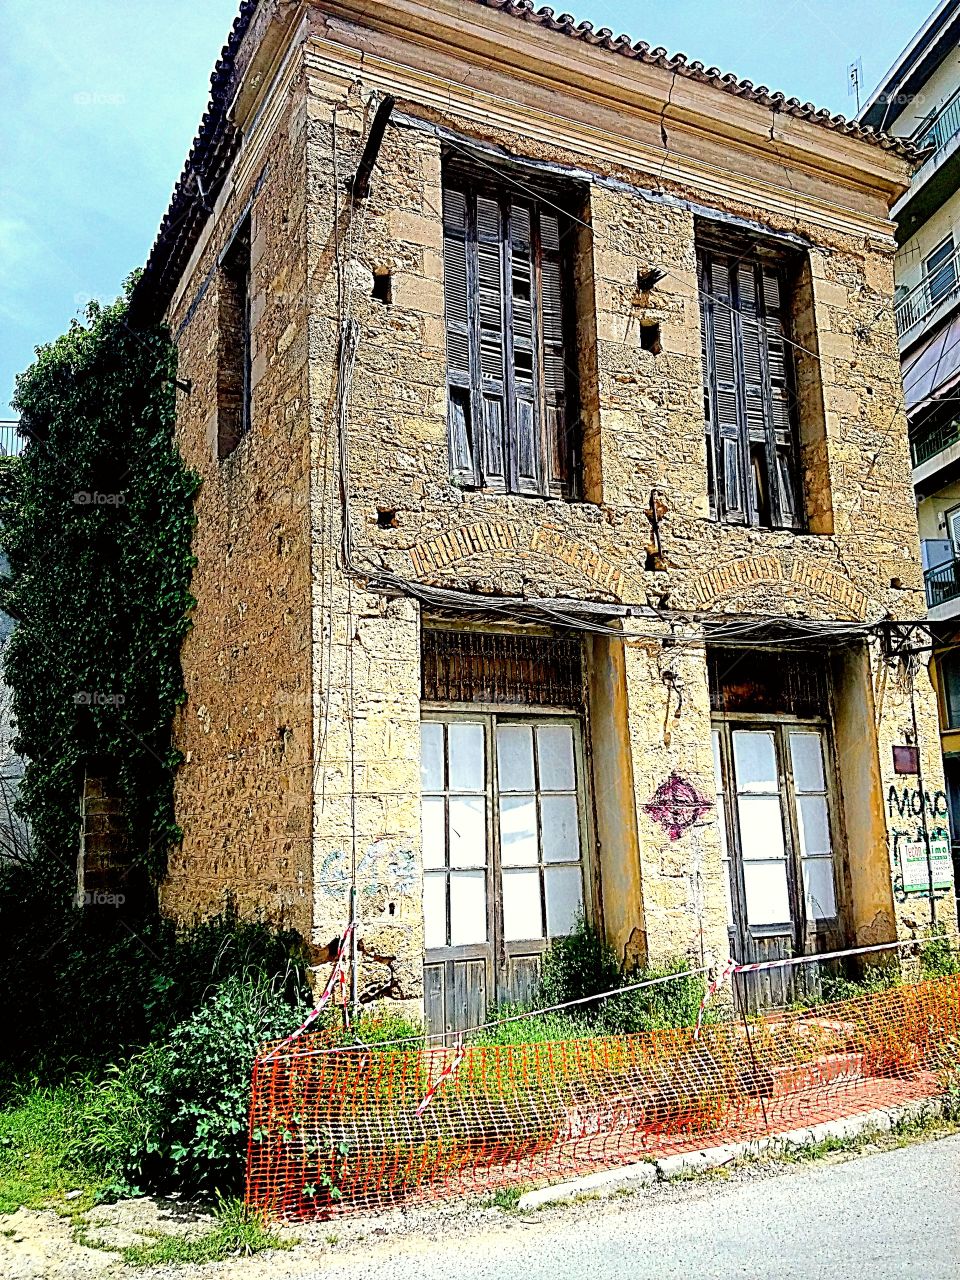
x=690 y=1163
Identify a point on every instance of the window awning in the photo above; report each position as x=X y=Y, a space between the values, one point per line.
x=934 y=368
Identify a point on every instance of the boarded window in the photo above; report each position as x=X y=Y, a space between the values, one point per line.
x=518 y=670
x=234 y=342
x=767 y=681
x=508 y=324
x=749 y=401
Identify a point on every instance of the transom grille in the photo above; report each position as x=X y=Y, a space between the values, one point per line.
x=521 y=670
x=765 y=681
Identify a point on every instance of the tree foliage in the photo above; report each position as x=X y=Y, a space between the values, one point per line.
x=96 y=521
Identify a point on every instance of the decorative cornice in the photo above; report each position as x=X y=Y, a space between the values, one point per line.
x=218 y=139
x=678 y=63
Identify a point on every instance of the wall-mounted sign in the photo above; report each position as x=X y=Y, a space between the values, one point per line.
x=913 y=865
x=906 y=759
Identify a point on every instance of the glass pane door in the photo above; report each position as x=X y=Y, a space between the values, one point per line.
x=813 y=824
x=760 y=818
x=540 y=847
x=455 y=853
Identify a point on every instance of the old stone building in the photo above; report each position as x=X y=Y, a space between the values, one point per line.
x=555 y=503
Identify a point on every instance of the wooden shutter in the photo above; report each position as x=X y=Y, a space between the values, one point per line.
x=781 y=427
x=748 y=392
x=525 y=452
x=456 y=293
x=725 y=391
x=706 y=368
x=557 y=424
x=492 y=348
x=510 y=409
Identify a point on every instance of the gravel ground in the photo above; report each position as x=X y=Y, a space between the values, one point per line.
x=757 y=1219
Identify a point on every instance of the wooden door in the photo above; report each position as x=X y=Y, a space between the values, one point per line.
x=503 y=824
x=777 y=823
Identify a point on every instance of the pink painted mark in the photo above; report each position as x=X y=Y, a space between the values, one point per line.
x=677 y=805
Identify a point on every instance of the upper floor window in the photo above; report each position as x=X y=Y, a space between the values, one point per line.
x=749 y=400
x=940 y=271
x=511 y=391
x=234 y=342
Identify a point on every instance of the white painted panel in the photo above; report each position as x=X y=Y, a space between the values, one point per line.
x=468 y=907
x=515 y=757
x=768 y=900
x=521 y=906
x=518 y=831
x=434 y=910
x=555 y=757
x=468 y=831
x=564 y=888
x=761 y=827
x=755 y=761
x=561 y=828
x=434 y=831
x=819 y=888
x=465 y=749
x=431 y=756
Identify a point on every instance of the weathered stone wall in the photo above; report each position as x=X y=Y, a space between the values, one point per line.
x=645 y=430
x=301 y=729
x=244 y=792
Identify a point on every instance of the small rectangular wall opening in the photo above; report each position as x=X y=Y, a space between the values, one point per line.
x=234 y=342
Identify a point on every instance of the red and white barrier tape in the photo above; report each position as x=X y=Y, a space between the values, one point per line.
x=731 y=967
x=728 y=970
x=443 y=1077
x=338 y=975
x=634 y=986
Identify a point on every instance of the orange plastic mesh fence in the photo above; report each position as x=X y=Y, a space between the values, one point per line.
x=334 y=1130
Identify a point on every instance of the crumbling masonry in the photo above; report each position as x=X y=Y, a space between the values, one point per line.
x=634 y=590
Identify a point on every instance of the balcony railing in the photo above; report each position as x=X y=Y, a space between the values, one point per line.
x=942 y=583
x=944 y=126
x=927 y=445
x=941 y=285
x=11 y=444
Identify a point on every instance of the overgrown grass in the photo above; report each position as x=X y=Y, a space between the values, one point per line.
x=39 y=1157
x=238 y=1233
x=505 y=1197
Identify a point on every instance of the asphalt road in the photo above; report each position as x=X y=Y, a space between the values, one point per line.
x=888 y=1216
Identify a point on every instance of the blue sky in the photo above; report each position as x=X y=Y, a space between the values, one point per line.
x=100 y=100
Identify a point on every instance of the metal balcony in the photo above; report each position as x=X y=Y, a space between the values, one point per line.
x=933 y=290
x=926 y=445
x=937 y=132
x=942 y=584
x=11 y=444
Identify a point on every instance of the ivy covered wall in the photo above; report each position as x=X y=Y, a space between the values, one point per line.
x=96 y=521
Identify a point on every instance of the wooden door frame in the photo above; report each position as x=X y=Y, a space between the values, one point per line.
x=805 y=932
x=495 y=950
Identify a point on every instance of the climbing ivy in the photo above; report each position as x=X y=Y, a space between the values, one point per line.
x=96 y=522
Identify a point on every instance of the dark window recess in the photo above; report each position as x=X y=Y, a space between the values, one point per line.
x=950 y=681
x=767 y=682
x=234 y=342
x=749 y=400
x=940 y=270
x=512 y=396
x=383 y=287
x=476 y=666
x=650 y=338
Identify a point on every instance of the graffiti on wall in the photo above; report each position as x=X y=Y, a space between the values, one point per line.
x=677 y=805
x=919 y=838
x=384 y=871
